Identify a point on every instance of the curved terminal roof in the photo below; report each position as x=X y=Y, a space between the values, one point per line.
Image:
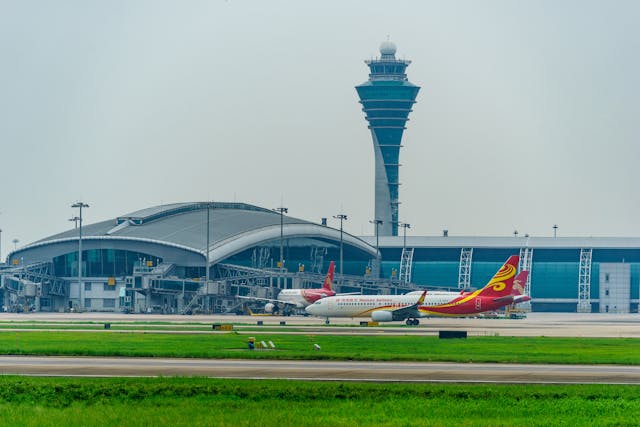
x=233 y=227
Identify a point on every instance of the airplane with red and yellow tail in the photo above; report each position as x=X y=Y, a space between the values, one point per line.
x=299 y=298
x=504 y=288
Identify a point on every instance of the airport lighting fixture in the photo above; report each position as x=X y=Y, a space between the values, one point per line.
x=206 y=266
x=80 y=205
x=15 y=244
x=404 y=240
x=555 y=230
x=75 y=220
x=341 y=217
x=378 y=223
x=282 y=211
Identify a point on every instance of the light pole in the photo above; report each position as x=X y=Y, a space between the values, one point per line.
x=15 y=244
x=75 y=220
x=377 y=223
x=80 y=205
x=0 y=245
x=341 y=217
x=282 y=211
x=404 y=240
x=208 y=236
x=555 y=230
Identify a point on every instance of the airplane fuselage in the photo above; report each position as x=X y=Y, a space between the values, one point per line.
x=435 y=304
x=504 y=288
x=301 y=298
x=359 y=305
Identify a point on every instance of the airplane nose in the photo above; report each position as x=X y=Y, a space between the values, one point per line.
x=310 y=309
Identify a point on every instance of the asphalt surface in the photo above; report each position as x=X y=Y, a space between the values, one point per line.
x=321 y=370
x=536 y=324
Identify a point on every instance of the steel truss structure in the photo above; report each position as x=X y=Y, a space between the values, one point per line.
x=584 y=281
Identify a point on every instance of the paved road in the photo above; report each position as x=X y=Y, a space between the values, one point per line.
x=321 y=370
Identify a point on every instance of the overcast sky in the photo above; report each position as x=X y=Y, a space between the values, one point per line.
x=527 y=116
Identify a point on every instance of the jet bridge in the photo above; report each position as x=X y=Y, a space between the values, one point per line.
x=157 y=290
x=32 y=287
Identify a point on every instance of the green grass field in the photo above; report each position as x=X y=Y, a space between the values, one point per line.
x=32 y=401
x=206 y=402
x=382 y=347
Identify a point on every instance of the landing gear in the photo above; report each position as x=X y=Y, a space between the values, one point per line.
x=326 y=322
x=412 y=322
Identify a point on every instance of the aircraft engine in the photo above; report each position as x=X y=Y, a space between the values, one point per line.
x=269 y=307
x=382 y=316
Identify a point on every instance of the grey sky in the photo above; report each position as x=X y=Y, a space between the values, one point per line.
x=528 y=113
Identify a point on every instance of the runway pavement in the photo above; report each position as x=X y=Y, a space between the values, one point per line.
x=321 y=370
x=536 y=324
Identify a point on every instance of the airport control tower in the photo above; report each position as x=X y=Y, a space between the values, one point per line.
x=387 y=99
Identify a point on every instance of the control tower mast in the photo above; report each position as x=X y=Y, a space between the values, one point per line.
x=387 y=98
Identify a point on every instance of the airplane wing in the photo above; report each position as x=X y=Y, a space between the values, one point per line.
x=402 y=313
x=410 y=311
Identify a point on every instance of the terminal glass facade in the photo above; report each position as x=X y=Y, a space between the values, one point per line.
x=101 y=263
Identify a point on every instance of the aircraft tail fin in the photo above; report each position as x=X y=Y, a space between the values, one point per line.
x=501 y=284
x=422 y=297
x=328 y=280
x=519 y=283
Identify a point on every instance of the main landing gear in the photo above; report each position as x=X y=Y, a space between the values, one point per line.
x=412 y=322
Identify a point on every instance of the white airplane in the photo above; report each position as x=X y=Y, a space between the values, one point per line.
x=299 y=298
x=502 y=290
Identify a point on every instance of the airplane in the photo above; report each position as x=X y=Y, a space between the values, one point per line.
x=499 y=292
x=299 y=298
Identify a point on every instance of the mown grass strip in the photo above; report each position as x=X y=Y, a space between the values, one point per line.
x=383 y=348
x=201 y=401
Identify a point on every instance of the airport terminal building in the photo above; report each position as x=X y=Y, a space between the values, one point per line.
x=153 y=260
x=199 y=257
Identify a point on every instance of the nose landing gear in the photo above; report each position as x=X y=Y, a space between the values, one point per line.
x=412 y=322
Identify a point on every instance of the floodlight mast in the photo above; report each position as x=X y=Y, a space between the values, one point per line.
x=282 y=211
x=80 y=205
x=209 y=206
x=341 y=217
x=377 y=222
x=404 y=240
